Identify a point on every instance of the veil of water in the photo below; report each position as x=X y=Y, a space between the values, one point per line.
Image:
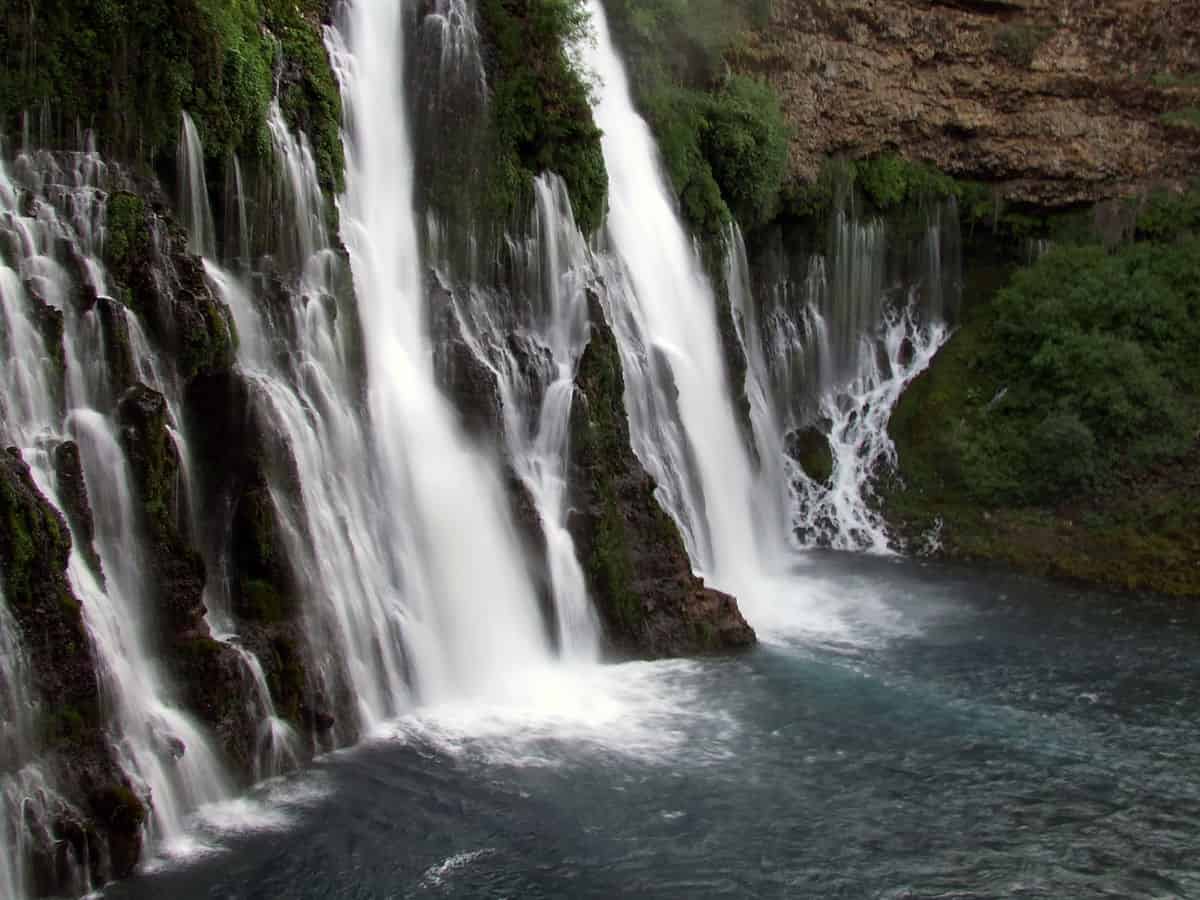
x=51 y=217
x=828 y=352
x=663 y=310
x=466 y=603
x=531 y=338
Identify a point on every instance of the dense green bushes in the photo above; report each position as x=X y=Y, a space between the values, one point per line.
x=1084 y=369
x=723 y=138
x=540 y=111
x=129 y=67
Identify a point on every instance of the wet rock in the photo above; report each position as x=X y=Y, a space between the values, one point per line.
x=633 y=557
x=153 y=457
x=35 y=545
x=72 y=489
x=809 y=447
x=467 y=381
x=118 y=348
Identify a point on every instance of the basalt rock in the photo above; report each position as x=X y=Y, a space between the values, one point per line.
x=72 y=490
x=211 y=675
x=101 y=826
x=147 y=255
x=118 y=351
x=470 y=385
x=235 y=451
x=633 y=557
x=1057 y=103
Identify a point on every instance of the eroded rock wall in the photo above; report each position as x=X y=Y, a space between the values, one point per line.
x=1058 y=102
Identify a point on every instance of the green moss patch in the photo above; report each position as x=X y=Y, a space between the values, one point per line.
x=540 y=111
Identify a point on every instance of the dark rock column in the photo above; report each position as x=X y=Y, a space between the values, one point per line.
x=633 y=557
x=105 y=825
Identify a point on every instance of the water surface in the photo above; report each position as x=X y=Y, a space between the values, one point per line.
x=903 y=731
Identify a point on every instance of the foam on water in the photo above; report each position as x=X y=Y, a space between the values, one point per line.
x=641 y=710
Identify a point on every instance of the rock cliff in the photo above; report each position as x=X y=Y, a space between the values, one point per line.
x=1057 y=102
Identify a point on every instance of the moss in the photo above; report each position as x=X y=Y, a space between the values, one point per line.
x=1019 y=43
x=723 y=139
x=1187 y=117
x=609 y=567
x=540 y=111
x=126 y=233
x=129 y=68
x=63 y=723
x=310 y=102
x=811 y=450
x=260 y=601
x=33 y=536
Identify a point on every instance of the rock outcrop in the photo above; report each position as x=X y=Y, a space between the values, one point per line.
x=96 y=819
x=632 y=554
x=1057 y=102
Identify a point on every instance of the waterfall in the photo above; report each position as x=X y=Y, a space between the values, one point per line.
x=828 y=355
x=531 y=341
x=193 y=194
x=465 y=601
x=663 y=310
x=295 y=359
x=50 y=228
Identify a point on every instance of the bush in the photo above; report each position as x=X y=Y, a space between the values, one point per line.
x=745 y=141
x=1019 y=43
x=540 y=111
x=724 y=140
x=1062 y=454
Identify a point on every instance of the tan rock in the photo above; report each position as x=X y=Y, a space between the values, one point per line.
x=1054 y=100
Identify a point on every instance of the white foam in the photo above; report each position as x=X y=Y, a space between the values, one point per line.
x=436 y=875
x=646 y=710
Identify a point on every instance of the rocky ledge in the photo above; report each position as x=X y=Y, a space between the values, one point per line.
x=1057 y=103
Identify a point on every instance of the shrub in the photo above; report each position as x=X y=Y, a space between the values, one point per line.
x=540 y=110
x=724 y=140
x=1019 y=43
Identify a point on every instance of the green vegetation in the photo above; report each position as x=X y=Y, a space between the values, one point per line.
x=1168 y=80
x=723 y=137
x=128 y=68
x=1187 y=117
x=1060 y=427
x=1083 y=368
x=540 y=112
x=1019 y=43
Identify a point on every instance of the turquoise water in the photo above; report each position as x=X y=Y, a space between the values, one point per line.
x=949 y=733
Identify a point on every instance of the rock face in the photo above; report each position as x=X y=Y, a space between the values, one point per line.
x=632 y=554
x=103 y=825
x=1058 y=101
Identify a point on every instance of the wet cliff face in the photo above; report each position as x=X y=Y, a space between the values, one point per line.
x=633 y=556
x=1057 y=102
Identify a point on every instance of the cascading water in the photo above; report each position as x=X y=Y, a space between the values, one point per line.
x=818 y=358
x=50 y=222
x=295 y=360
x=828 y=355
x=464 y=601
x=663 y=311
x=531 y=341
